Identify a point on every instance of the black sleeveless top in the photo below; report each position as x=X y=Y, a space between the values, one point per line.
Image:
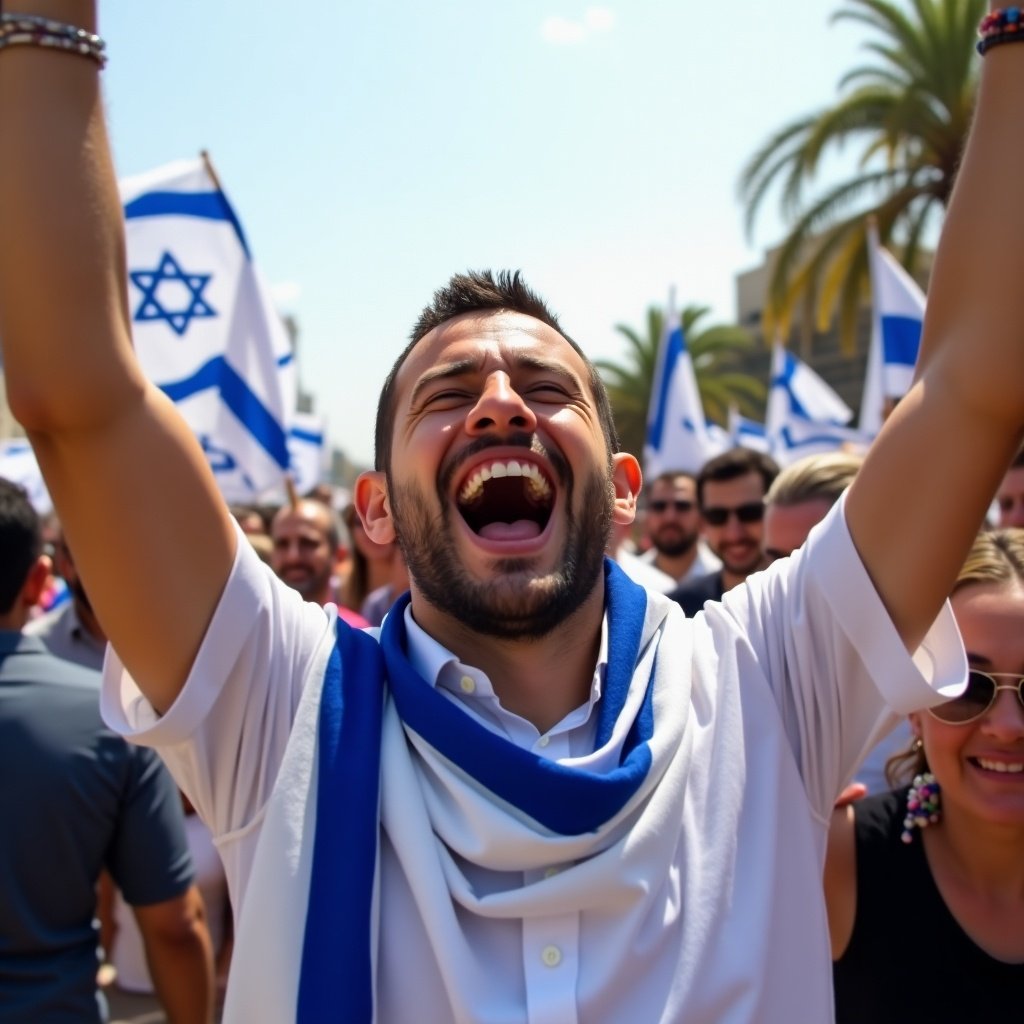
x=908 y=959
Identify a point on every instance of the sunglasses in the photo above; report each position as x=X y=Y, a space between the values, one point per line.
x=752 y=512
x=661 y=505
x=978 y=698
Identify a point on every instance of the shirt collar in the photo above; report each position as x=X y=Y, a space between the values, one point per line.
x=435 y=663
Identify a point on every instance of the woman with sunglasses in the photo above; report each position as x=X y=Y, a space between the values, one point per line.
x=925 y=885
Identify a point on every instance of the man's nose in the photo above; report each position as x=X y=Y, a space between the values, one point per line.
x=500 y=408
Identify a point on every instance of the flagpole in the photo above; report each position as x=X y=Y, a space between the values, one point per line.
x=204 y=155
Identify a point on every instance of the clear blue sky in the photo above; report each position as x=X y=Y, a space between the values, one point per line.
x=373 y=149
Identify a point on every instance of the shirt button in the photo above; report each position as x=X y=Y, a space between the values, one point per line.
x=543 y=741
x=551 y=955
x=467 y=684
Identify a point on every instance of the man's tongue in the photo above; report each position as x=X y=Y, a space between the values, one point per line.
x=521 y=529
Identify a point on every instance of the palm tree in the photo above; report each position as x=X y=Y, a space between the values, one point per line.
x=908 y=111
x=715 y=352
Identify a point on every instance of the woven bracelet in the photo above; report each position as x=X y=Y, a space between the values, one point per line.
x=1000 y=26
x=31 y=30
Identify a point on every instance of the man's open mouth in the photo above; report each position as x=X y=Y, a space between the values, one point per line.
x=506 y=499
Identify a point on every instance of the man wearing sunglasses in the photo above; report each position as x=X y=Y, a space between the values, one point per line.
x=672 y=523
x=730 y=491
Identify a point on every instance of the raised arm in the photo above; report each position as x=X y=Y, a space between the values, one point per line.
x=151 y=536
x=922 y=493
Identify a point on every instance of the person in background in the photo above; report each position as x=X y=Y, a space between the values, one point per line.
x=306 y=538
x=730 y=492
x=672 y=524
x=78 y=800
x=1010 y=496
x=925 y=884
x=798 y=499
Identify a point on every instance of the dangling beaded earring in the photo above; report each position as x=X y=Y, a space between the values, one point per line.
x=922 y=803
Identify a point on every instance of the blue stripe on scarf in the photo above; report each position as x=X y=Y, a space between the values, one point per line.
x=565 y=800
x=336 y=980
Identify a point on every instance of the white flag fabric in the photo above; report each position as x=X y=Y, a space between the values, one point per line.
x=677 y=434
x=204 y=328
x=18 y=464
x=898 y=306
x=307 y=446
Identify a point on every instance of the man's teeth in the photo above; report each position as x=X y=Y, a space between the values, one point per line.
x=1002 y=766
x=537 y=487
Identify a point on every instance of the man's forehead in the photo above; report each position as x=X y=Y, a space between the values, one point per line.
x=751 y=481
x=498 y=335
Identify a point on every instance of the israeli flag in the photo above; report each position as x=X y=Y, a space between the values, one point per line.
x=898 y=306
x=307 y=446
x=205 y=330
x=805 y=415
x=677 y=433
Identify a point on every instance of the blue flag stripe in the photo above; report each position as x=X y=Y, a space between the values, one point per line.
x=204 y=205
x=336 y=979
x=239 y=398
x=901 y=338
x=674 y=350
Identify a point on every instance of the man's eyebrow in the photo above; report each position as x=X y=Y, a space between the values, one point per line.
x=445 y=371
x=461 y=367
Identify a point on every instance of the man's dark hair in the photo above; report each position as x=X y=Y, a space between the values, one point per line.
x=734 y=463
x=480 y=291
x=20 y=542
x=669 y=476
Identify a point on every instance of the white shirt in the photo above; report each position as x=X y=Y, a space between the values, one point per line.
x=716 y=915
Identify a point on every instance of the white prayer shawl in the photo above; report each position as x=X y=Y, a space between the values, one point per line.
x=698 y=900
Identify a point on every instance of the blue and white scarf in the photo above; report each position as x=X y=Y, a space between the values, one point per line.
x=584 y=811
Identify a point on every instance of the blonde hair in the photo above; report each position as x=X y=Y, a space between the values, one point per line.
x=996 y=556
x=814 y=478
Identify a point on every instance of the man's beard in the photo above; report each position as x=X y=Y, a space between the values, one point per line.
x=679 y=545
x=519 y=604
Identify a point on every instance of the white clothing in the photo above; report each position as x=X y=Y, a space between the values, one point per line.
x=643 y=570
x=717 y=916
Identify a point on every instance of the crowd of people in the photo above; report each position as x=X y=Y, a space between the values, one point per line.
x=537 y=790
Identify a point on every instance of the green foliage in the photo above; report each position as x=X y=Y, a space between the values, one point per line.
x=715 y=351
x=907 y=109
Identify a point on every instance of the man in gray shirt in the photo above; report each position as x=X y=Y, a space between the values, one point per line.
x=78 y=800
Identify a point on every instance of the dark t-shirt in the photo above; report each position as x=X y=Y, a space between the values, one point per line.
x=908 y=958
x=692 y=594
x=74 y=798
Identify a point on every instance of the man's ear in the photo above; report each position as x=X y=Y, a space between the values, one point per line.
x=372 y=504
x=628 y=481
x=35 y=582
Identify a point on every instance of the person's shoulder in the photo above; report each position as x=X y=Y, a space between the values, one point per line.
x=708 y=585
x=36 y=664
x=879 y=817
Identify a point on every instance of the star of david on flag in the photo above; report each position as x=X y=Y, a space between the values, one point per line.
x=163 y=291
x=204 y=328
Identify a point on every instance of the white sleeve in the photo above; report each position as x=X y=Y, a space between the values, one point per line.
x=838 y=670
x=224 y=737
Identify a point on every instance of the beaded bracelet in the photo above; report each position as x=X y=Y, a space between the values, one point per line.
x=32 y=30
x=1002 y=25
